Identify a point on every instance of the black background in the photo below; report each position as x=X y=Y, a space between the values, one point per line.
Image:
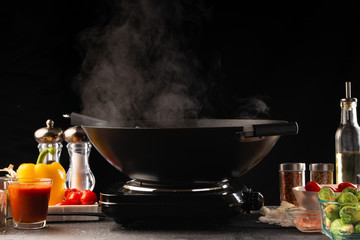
x=296 y=58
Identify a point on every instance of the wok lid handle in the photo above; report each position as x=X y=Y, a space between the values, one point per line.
x=273 y=129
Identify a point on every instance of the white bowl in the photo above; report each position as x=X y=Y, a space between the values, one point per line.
x=306 y=199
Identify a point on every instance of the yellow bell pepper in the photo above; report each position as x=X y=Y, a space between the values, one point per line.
x=40 y=170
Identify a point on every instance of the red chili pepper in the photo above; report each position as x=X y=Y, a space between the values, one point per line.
x=312 y=187
x=344 y=185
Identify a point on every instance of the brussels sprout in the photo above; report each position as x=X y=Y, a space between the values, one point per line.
x=357 y=227
x=327 y=222
x=350 y=189
x=339 y=226
x=350 y=214
x=332 y=212
x=347 y=197
x=358 y=195
x=327 y=194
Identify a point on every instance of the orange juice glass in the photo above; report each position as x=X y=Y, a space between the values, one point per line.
x=29 y=200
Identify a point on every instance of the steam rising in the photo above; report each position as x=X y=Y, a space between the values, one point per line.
x=139 y=66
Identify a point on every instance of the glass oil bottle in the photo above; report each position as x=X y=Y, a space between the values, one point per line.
x=347 y=141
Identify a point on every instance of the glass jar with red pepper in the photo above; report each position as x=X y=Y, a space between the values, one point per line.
x=291 y=175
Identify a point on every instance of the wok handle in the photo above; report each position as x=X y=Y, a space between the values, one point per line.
x=274 y=129
x=80 y=119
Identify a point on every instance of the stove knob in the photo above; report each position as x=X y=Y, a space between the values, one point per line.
x=253 y=201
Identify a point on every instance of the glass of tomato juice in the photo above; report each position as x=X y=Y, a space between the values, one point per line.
x=29 y=200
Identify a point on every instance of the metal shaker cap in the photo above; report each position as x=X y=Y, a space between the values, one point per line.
x=49 y=134
x=292 y=167
x=75 y=135
x=321 y=167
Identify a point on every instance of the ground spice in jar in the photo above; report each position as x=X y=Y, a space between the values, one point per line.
x=291 y=175
x=322 y=173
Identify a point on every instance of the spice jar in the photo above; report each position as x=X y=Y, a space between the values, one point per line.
x=322 y=173
x=291 y=175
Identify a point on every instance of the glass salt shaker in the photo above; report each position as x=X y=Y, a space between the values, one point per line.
x=50 y=137
x=79 y=174
x=291 y=175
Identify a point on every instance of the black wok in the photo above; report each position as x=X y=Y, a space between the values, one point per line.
x=186 y=151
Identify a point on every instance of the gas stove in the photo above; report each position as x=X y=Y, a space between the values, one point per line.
x=137 y=202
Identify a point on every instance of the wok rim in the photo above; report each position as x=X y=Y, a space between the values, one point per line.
x=204 y=123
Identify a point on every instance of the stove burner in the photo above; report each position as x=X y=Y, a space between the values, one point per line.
x=150 y=187
x=145 y=202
